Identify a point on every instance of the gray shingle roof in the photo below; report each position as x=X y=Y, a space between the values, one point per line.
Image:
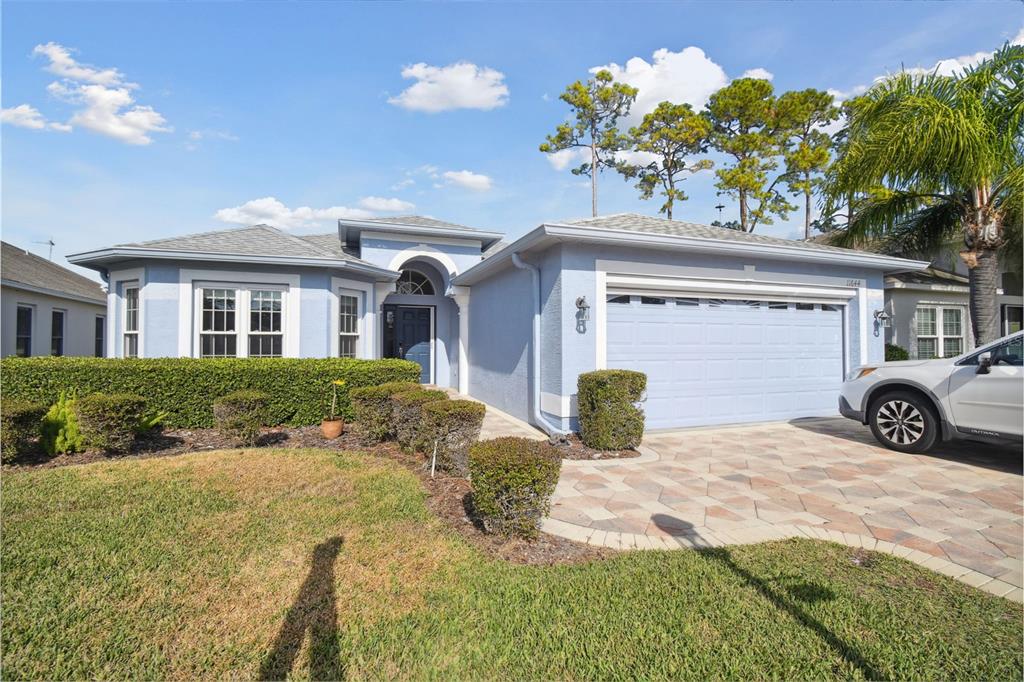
x=494 y=248
x=257 y=240
x=932 y=276
x=641 y=223
x=18 y=265
x=420 y=221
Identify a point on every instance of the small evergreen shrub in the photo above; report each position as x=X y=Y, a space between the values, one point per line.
x=512 y=481
x=184 y=387
x=894 y=353
x=20 y=422
x=240 y=415
x=609 y=417
x=454 y=425
x=373 y=411
x=407 y=414
x=107 y=421
x=60 y=427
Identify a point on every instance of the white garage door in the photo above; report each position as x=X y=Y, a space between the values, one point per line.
x=715 y=361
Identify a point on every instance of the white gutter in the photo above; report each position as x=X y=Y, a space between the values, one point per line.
x=89 y=258
x=555 y=232
x=538 y=416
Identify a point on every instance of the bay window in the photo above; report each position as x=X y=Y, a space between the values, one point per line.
x=940 y=332
x=226 y=332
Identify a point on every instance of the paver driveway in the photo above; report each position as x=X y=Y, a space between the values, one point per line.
x=958 y=510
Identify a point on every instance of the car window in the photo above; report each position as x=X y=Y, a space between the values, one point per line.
x=1009 y=353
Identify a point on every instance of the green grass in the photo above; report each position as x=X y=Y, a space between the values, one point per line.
x=307 y=563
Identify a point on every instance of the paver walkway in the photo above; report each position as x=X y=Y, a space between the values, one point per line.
x=958 y=510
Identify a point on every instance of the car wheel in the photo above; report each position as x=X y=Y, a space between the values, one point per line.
x=904 y=422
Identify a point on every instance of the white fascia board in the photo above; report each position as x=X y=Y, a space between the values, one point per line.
x=722 y=288
x=53 y=292
x=918 y=286
x=736 y=248
x=376 y=226
x=92 y=258
x=551 y=233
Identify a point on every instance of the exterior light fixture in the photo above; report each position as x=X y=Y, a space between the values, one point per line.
x=583 y=309
x=883 y=319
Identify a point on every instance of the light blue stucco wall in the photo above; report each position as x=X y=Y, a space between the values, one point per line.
x=160 y=319
x=501 y=311
x=382 y=252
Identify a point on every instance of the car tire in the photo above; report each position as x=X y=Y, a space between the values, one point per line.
x=904 y=421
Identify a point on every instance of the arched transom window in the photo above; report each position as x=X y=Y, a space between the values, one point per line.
x=415 y=283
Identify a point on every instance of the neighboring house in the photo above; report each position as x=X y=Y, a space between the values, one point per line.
x=729 y=327
x=48 y=310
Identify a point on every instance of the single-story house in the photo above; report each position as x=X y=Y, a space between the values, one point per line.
x=729 y=327
x=48 y=310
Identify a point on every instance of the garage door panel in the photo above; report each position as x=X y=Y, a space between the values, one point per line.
x=729 y=362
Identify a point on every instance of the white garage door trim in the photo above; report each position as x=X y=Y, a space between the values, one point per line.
x=616 y=283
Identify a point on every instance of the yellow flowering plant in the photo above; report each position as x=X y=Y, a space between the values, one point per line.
x=334 y=397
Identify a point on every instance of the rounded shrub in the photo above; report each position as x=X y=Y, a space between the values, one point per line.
x=20 y=422
x=407 y=414
x=512 y=481
x=373 y=411
x=241 y=414
x=453 y=426
x=894 y=353
x=609 y=417
x=109 y=421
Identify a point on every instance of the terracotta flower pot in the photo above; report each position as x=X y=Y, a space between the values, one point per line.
x=332 y=428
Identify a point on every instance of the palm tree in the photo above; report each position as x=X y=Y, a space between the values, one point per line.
x=927 y=157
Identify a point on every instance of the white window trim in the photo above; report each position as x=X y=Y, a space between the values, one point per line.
x=189 y=313
x=125 y=286
x=360 y=322
x=242 y=302
x=119 y=279
x=940 y=335
x=367 y=348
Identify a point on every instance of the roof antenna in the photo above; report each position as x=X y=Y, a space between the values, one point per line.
x=720 y=207
x=51 y=244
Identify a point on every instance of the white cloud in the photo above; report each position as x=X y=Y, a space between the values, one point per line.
x=468 y=180
x=64 y=65
x=944 y=67
x=270 y=211
x=686 y=76
x=457 y=86
x=568 y=157
x=198 y=135
x=105 y=101
x=385 y=205
x=763 y=74
x=27 y=116
x=402 y=184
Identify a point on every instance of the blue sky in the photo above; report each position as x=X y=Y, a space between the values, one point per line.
x=126 y=122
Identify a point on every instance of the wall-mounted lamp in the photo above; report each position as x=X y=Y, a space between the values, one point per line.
x=583 y=309
x=883 y=319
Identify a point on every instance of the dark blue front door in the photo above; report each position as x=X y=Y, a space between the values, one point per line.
x=408 y=336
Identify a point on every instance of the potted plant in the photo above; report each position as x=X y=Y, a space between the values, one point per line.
x=333 y=425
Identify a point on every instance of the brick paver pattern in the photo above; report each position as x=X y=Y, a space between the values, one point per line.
x=962 y=503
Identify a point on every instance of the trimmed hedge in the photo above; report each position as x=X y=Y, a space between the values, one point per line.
x=241 y=415
x=183 y=387
x=373 y=411
x=20 y=421
x=407 y=413
x=109 y=421
x=454 y=425
x=512 y=481
x=894 y=353
x=609 y=417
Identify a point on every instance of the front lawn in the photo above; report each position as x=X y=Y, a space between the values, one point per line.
x=267 y=563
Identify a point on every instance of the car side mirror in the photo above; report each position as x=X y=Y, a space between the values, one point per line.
x=984 y=363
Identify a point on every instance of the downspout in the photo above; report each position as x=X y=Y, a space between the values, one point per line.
x=538 y=416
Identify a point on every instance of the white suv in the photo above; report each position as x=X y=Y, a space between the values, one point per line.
x=912 y=404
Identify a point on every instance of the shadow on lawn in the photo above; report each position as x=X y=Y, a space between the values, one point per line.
x=315 y=609
x=804 y=592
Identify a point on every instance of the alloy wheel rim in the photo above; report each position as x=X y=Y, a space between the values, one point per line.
x=900 y=422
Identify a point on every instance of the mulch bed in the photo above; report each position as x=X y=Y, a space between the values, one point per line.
x=572 y=447
x=447 y=496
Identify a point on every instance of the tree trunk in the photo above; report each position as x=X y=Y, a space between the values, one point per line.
x=743 y=210
x=984 y=279
x=593 y=178
x=671 y=198
x=807 y=209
